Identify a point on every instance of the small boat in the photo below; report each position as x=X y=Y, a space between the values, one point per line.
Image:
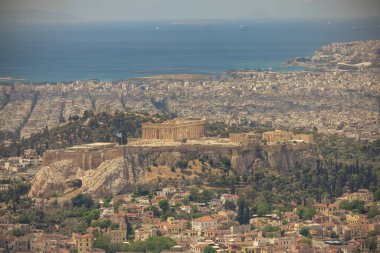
x=359 y=28
x=243 y=27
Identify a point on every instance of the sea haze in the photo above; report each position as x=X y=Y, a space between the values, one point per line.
x=122 y=50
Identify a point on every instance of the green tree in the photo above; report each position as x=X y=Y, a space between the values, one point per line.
x=206 y=195
x=114 y=226
x=306 y=213
x=271 y=229
x=194 y=194
x=233 y=188
x=117 y=205
x=102 y=223
x=229 y=205
x=182 y=164
x=39 y=215
x=102 y=242
x=262 y=208
x=164 y=205
x=377 y=194
x=156 y=211
x=24 y=219
x=155 y=244
x=309 y=213
x=373 y=212
x=306 y=241
x=305 y=232
x=209 y=249
x=88 y=216
x=82 y=200
x=241 y=208
x=371 y=244
x=82 y=227
x=247 y=215
x=17 y=232
x=355 y=206
x=107 y=200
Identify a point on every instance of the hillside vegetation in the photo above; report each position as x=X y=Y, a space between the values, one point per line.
x=89 y=128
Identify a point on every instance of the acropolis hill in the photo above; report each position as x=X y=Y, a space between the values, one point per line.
x=133 y=163
x=178 y=134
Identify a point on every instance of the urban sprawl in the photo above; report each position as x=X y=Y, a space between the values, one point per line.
x=338 y=93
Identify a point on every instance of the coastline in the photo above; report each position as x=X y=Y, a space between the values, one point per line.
x=174 y=77
x=10 y=78
x=325 y=59
x=173 y=49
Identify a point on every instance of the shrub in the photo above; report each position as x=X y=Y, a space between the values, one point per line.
x=182 y=164
x=82 y=200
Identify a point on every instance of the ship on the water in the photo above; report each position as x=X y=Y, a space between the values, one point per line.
x=244 y=27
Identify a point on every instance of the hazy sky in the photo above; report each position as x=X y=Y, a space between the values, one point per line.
x=192 y=9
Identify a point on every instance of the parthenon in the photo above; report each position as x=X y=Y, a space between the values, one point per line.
x=174 y=130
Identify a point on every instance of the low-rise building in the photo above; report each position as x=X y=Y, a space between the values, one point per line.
x=203 y=223
x=145 y=232
x=83 y=243
x=326 y=209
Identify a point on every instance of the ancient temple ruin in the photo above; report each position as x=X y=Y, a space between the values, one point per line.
x=174 y=130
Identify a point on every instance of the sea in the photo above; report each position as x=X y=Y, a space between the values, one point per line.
x=63 y=52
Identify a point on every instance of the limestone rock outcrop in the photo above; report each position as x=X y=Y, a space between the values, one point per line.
x=55 y=179
x=108 y=178
x=122 y=174
x=284 y=158
x=63 y=177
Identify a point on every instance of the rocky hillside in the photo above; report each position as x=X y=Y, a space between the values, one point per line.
x=64 y=177
x=284 y=158
x=139 y=164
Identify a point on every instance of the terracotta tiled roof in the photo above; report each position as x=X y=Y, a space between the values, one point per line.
x=320 y=205
x=84 y=236
x=204 y=218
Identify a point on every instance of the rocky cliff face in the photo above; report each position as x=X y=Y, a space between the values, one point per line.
x=64 y=177
x=122 y=174
x=109 y=178
x=284 y=158
x=56 y=179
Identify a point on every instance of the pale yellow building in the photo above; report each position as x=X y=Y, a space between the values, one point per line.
x=326 y=209
x=361 y=195
x=352 y=218
x=83 y=243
